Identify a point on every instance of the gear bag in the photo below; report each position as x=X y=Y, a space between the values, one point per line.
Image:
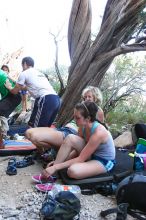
x=138 y=131
x=131 y=198
x=65 y=205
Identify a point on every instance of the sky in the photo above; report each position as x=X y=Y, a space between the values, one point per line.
x=27 y=24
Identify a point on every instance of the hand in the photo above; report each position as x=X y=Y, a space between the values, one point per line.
x=50 y=164
x=49 y=171
x=8 y=85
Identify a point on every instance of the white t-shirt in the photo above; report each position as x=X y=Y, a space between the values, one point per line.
x=36 y=82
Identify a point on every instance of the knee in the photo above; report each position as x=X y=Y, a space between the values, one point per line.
x=70 y=139
x=72 y=172
x=30 y=135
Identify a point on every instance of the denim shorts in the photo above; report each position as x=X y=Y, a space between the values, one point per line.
x=23 y=92
x=108 y=164
x=66 y=131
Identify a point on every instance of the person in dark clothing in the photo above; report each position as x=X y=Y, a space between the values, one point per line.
x=8 y=102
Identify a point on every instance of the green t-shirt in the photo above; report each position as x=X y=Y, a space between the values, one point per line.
x=3 y=90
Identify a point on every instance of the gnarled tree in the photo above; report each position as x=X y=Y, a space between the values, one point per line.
x=90 y=60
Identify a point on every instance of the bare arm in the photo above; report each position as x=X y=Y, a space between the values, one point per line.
x=14 y=90
x=100 y=115
x=11 y=79
x=52 y=169
x=95 y=140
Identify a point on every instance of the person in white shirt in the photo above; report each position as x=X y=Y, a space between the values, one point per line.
x=47 y=102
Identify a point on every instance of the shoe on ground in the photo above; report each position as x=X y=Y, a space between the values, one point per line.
x=44 y=187
x=11 y=168
x=27 y=161
x=40 y=179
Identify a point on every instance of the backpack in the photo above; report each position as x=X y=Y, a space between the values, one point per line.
x=65 y=205
x=138 y=131
x=131 y=198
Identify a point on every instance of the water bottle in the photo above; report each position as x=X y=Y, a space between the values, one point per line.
x=72 y=188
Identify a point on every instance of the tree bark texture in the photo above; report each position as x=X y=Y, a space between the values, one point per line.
x=90 y=60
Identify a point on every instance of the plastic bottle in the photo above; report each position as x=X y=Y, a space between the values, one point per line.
x=72 y=188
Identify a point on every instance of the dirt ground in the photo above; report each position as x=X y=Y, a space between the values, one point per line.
x=11 y=186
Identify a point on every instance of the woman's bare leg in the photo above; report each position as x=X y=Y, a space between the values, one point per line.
x=86 y=169
x=45 y=137
x=71 y=143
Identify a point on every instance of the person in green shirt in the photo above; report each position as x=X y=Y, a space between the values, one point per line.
x=24 y=93
x=8 y=102
x=3 y=90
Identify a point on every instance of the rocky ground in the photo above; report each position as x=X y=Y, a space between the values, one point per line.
x=19 y=200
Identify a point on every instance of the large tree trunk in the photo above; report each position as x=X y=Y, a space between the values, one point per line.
x=90 y=61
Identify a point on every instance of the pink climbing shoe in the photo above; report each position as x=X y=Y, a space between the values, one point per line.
x=40 y=179
x=44 y=187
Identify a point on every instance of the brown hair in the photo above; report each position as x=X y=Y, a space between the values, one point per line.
x=88 y=109
x=5 y=67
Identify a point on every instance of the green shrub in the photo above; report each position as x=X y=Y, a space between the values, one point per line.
x=117 y=120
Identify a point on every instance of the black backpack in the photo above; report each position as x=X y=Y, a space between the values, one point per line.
x=65 y=205
x=138 y=131
x=131 y=198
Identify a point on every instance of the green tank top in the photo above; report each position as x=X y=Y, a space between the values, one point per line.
x=3 y=90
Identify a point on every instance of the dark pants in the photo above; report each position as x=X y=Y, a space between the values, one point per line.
x=44 y=111
x=8 y=104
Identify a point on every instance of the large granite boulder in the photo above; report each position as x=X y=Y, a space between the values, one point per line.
x=124 y=140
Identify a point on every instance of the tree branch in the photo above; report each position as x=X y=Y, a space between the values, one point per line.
x=123 y=49
x=127 y=48
x=140 y=39
x=62 y=87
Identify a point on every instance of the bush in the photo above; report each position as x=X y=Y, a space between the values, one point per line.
x=118 y=120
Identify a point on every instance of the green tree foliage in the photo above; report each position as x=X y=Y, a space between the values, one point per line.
x=124 y=84
x=53 y=76
x=124 y=92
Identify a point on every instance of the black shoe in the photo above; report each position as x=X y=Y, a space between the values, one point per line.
x=27 y=161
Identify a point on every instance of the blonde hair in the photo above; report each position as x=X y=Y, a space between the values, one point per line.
x=95 y=92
